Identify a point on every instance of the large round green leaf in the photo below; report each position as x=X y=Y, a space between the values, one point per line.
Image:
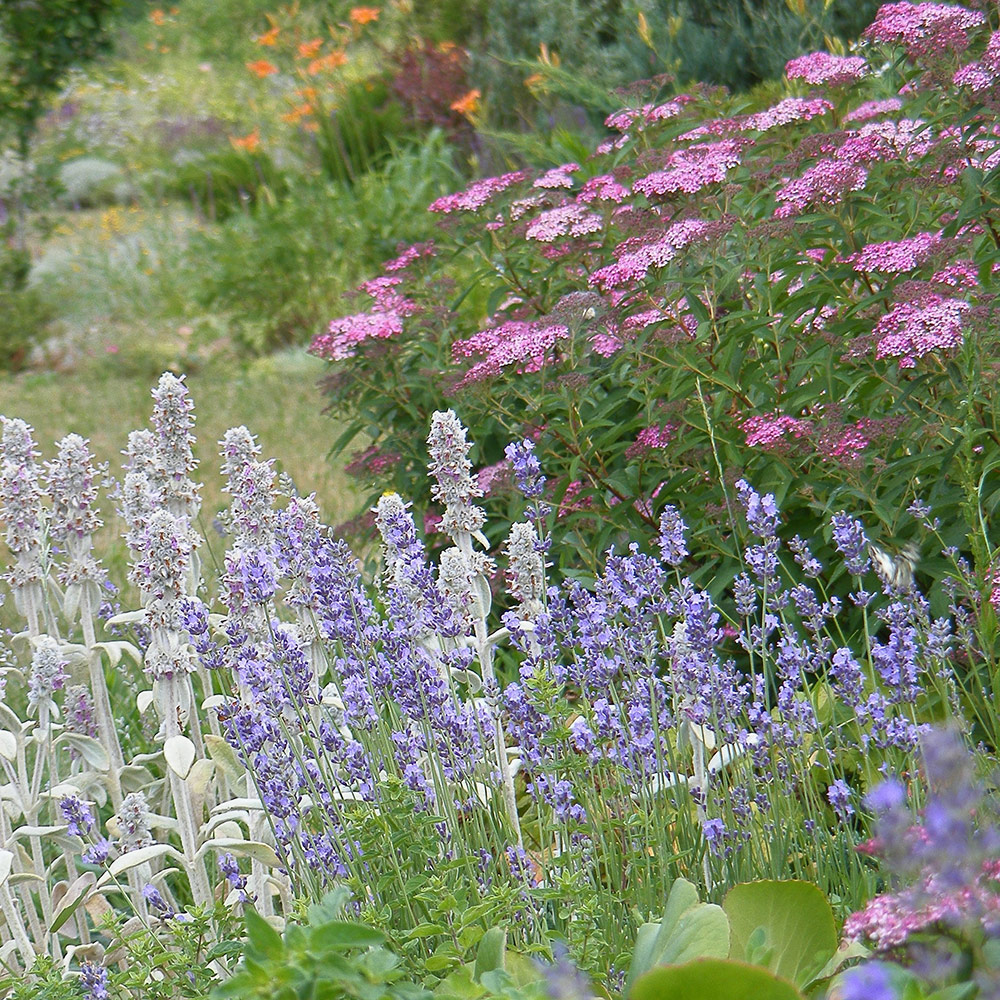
x=787 y=927
x=712 y=979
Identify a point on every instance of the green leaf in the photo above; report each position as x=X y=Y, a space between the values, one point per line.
x=799 y=929
x=340 y=934
x=263 y=941
x=712 y=979
x=689 y=929
x=425 y=930
x=490 y=954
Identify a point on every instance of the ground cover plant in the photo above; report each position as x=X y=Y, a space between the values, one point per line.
x=471 y=790
x=801 y=294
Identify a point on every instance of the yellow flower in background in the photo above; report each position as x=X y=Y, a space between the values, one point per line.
x=364 y=15
x=269 y=37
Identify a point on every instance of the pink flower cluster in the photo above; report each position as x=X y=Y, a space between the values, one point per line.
x=477 y=194
x=844 y=444
x=372 y=462
x=821 y=67
x=557 y=177
x=410 y=255
x=890 y=920
x=648 y=114
x=791 y=109
x=384 y=321
x=650 y=439
x=924 y=28
x=825 y=183
x=912 y=329
x=689 y=170
x=888 y=140
x=634 y=264
x=566 y=220
x=526 y=345
x=773 y=430
x=958 y=274
x=895 y=256
x=603 y=188
x=985 y=74
x=786 y=111
x=494 y=477
x=873 y=109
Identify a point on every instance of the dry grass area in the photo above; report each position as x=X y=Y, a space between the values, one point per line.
x=277 y=399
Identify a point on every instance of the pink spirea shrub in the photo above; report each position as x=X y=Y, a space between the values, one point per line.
x=805 y=287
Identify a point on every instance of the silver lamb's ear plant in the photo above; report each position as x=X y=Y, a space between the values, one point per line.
x=22 y=510
x=465 y=571
x=73 y=487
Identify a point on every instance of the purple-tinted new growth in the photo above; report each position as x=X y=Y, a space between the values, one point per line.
x=134 y=821
x=73 y=486
x=525 y=568
x=173 y=422
x=20 y=493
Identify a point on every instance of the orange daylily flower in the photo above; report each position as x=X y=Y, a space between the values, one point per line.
x=251 y=142
x=270 y=37
x=158 y=18
x=262 y=68
x=330 y=61
x=364 y=15
x=308 y=49
x=297 y=114
x=469 y=104
x=306 y=93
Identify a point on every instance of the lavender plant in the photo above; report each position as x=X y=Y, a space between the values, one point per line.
x=551 y=768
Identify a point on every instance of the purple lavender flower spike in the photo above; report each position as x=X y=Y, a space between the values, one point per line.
x=851 y=542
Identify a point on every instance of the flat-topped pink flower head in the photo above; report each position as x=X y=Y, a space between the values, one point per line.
x=477 y=194
x=821 y=67
x=924 y=28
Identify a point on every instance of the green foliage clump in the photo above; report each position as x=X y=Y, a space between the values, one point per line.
x=280 y=267
x=40 y=40
x=24 y=314
x=613 y=42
